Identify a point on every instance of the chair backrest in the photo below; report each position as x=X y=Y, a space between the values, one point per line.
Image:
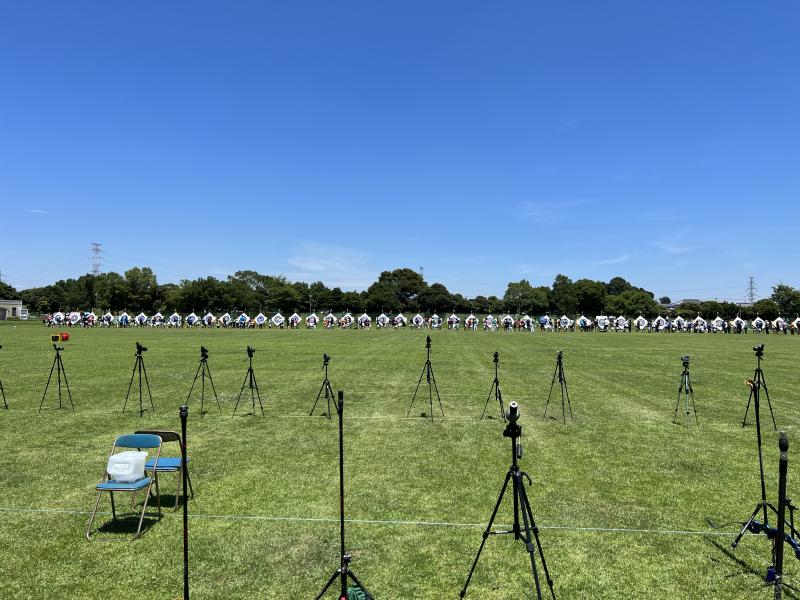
x=166 y=436
x=138 y=440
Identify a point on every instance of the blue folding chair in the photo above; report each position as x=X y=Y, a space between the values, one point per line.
x=143 y=483
x=170 y=464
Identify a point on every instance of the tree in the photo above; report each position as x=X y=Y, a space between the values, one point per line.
x=632 y=303
x=664 y=300
x=436 y=298
x=7 y=292
x=591 y=295
x=767 y=309
x=142 y=288
x=563 y=299
x=381 y=298
x=787 y=298
x=406 y=284
x=618 y=285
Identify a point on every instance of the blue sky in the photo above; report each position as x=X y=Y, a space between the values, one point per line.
x=487 y=142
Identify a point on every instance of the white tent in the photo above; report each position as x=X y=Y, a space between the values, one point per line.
x=347 y=320
x=526 y=319
x=225 y=319
x=382 y=320
x=74 y=318
x=329 y=320
x=506 y=319
x=698 y=320
x=141 y=318
x=261 y=318
x=242 y=319
x=454 y=318
x=364 y=320
x=659 y=323
x=621 y=322
x=311 y=321
x=108 y=317
x=175 y=319
x=436 y=321
x=209 y=319
x=796 y=323
x=418 y=320
x=758 y=323
x=565 y=321
x=489 y=321
x=277 y=319
x=584 y=321
x=738 y=322
x=602 y=321
x=158 y=317
x=779 y=323
x=546 y=322
x=679 y=322
x=58 y=317
x=191 y=319
x=400 y=320
x=640 y=322
x=718 y=323
x=294 y=320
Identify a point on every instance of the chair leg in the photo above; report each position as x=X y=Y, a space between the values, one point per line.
x=178 y=487
x=91 y=518
x=113 y=508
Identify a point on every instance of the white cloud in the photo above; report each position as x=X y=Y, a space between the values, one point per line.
x=671 y=248
x=36 y=211
x=551 y=210
x=335 y=266
x=613 y=261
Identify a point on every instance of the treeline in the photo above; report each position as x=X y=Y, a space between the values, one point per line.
x=394 y=291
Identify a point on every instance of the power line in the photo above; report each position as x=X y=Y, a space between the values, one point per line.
x=97 y=249
x=751 y=290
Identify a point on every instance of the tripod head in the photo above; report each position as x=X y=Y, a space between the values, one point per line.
x=250 y=351
x=428 y=342
x=496 y=357
x=140 y=349
x=203 y=353
x=759 y=350
x=685 y=361
x=58 y=348
x=325 y=360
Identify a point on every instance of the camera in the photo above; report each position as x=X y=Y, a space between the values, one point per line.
x=428 y=342
x=496 y=356
x=250 y=351
x=140 y=348
x=325 y=359
x=685 y=360
x=759 y=350
x=203 y=352
x=58 y=348
x=559 y=354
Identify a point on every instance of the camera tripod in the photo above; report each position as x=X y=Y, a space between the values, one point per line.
x=686 y=392
x=527 y=532
x=326 y=388
x=763 y=506
x=202 y=372
x=343 y=572
x=427 y=372
x=756 y=384
x=2 y=391
x=562 y=382
x=138 y=365
x=495 y=390
x=250 y=381
x=58 y=366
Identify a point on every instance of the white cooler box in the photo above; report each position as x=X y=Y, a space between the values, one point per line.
x=127 y=467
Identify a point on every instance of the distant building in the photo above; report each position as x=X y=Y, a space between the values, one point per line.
x=11 y=309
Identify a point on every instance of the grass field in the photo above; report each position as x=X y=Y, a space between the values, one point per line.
x=623 y=496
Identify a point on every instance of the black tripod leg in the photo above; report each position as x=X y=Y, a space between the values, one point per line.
x=436 y=388
x=678 y=403
x=550 y=393
x=359 y=584
x=66 y=384
x=766 y=392
x=327 y=585
x=745 y=526
x=3 y=393
x=565 y=392
x=414 y=397
x=489 y=397
x=520 y=491
x=191 y=389
x=530 y=526
x=241 y=391
x=500 y=401
x=747 y=409
x=147 y=384
x=319 y=393
x=258 y=395
x=329 y=392
x=130 y=385
x=486 y=535
x=49 y=377
x=694 y=406
x=213 y=389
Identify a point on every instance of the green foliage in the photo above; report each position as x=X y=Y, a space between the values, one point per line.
x=664 y=300
x=632 y=303
x=563 y=297
x=591 y=296
x=787 y=298
x=7 y=292
x=766 y=309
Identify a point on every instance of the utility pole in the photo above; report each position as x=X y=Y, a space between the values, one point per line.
x=751 y=290
x=421 y=274
x=96 y=249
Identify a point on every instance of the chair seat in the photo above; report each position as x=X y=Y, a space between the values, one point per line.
x=165 y=464
x=118 y=486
